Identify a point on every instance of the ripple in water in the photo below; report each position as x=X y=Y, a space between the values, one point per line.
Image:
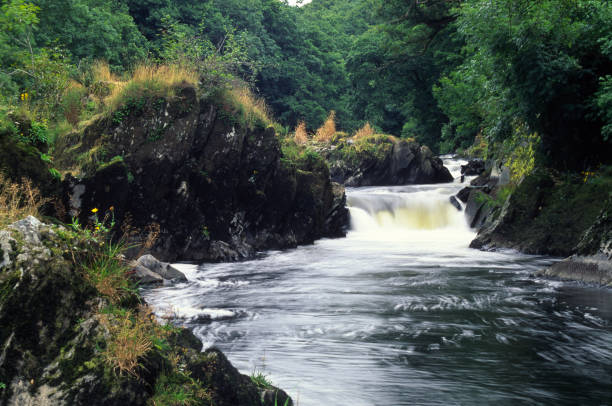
x=401 y=312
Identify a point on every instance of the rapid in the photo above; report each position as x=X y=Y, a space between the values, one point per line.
x=402 y=312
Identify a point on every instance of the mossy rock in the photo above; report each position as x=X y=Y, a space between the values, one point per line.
x=19 y=160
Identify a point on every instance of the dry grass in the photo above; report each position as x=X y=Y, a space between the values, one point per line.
x=365 y=131
x=328 y=129
x=130 y=339
x=254 y=109
x=102 y=73
x=18 y=200
x=157 y=80
x=300 y=136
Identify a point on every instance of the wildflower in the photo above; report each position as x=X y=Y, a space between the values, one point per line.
x=97 y=228
x=112 y=208
x=94 y=210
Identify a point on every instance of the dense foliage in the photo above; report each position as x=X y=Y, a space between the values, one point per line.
x=453 y=74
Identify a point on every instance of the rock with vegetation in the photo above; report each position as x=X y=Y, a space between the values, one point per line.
x=593 y=261
x=549 y=213
x=75 y=332
x=23 y=144
x=383 y=160
x=208 y=169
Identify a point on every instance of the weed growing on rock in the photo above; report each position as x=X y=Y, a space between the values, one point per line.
x=300 y=136
x=18 y=200
x=328 y=129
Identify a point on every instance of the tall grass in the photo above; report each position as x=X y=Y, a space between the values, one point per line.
x=18 y=200
x=150 y=81
x=365 y=131
x=300 y=136
x=130 y=339
x=253 y=109
x=328 y=129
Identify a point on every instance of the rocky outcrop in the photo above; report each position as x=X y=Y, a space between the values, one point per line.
x=383 y=160
x=547 y=215
x=56 y=327
x=216 y=183
x=593 y=262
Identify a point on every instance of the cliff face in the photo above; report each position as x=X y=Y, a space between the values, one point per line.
x=212 y=177
x=66 y=341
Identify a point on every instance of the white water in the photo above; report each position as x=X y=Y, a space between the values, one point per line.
x=402 y=312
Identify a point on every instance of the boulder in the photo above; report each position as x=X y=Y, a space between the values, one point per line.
x=144 y=276
x=453 y=200
x=163 y=269
x=464 y=194
x=474 y=167
x=595 y=269
x=384 y=160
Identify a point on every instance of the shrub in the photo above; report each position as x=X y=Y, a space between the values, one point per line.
x=328 y=129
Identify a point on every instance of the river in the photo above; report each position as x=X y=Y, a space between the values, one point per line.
x=402 y=312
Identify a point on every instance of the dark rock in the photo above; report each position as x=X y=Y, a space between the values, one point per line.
x=544 y=216
x=474 y=167
x=228 y=386
x=595 y=269
x=19 y=160
x=52 y=335
x=219 y=189
x=186 y=339
x=384 y=160
x=453 y=200
x=464 y=194
x=163 y=269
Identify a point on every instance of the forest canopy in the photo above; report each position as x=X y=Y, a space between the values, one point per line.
x=478 y=75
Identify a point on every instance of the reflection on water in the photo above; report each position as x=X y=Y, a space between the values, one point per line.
x=401 y=312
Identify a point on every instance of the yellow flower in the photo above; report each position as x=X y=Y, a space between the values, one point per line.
x=112 y=208
x=94 y=210
x=98 y=228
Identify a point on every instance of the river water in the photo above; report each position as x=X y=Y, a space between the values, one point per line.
x=402 y=312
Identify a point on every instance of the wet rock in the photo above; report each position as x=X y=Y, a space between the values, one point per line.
x=384 y=160
x=163 y=269
x=596 y=269
x=547 y=216
x=230 y=387
x=464 y=194
x=144 y=276
x=453 y=200
x=474 y=167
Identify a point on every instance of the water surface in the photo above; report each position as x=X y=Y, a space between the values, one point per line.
x=402 y=312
